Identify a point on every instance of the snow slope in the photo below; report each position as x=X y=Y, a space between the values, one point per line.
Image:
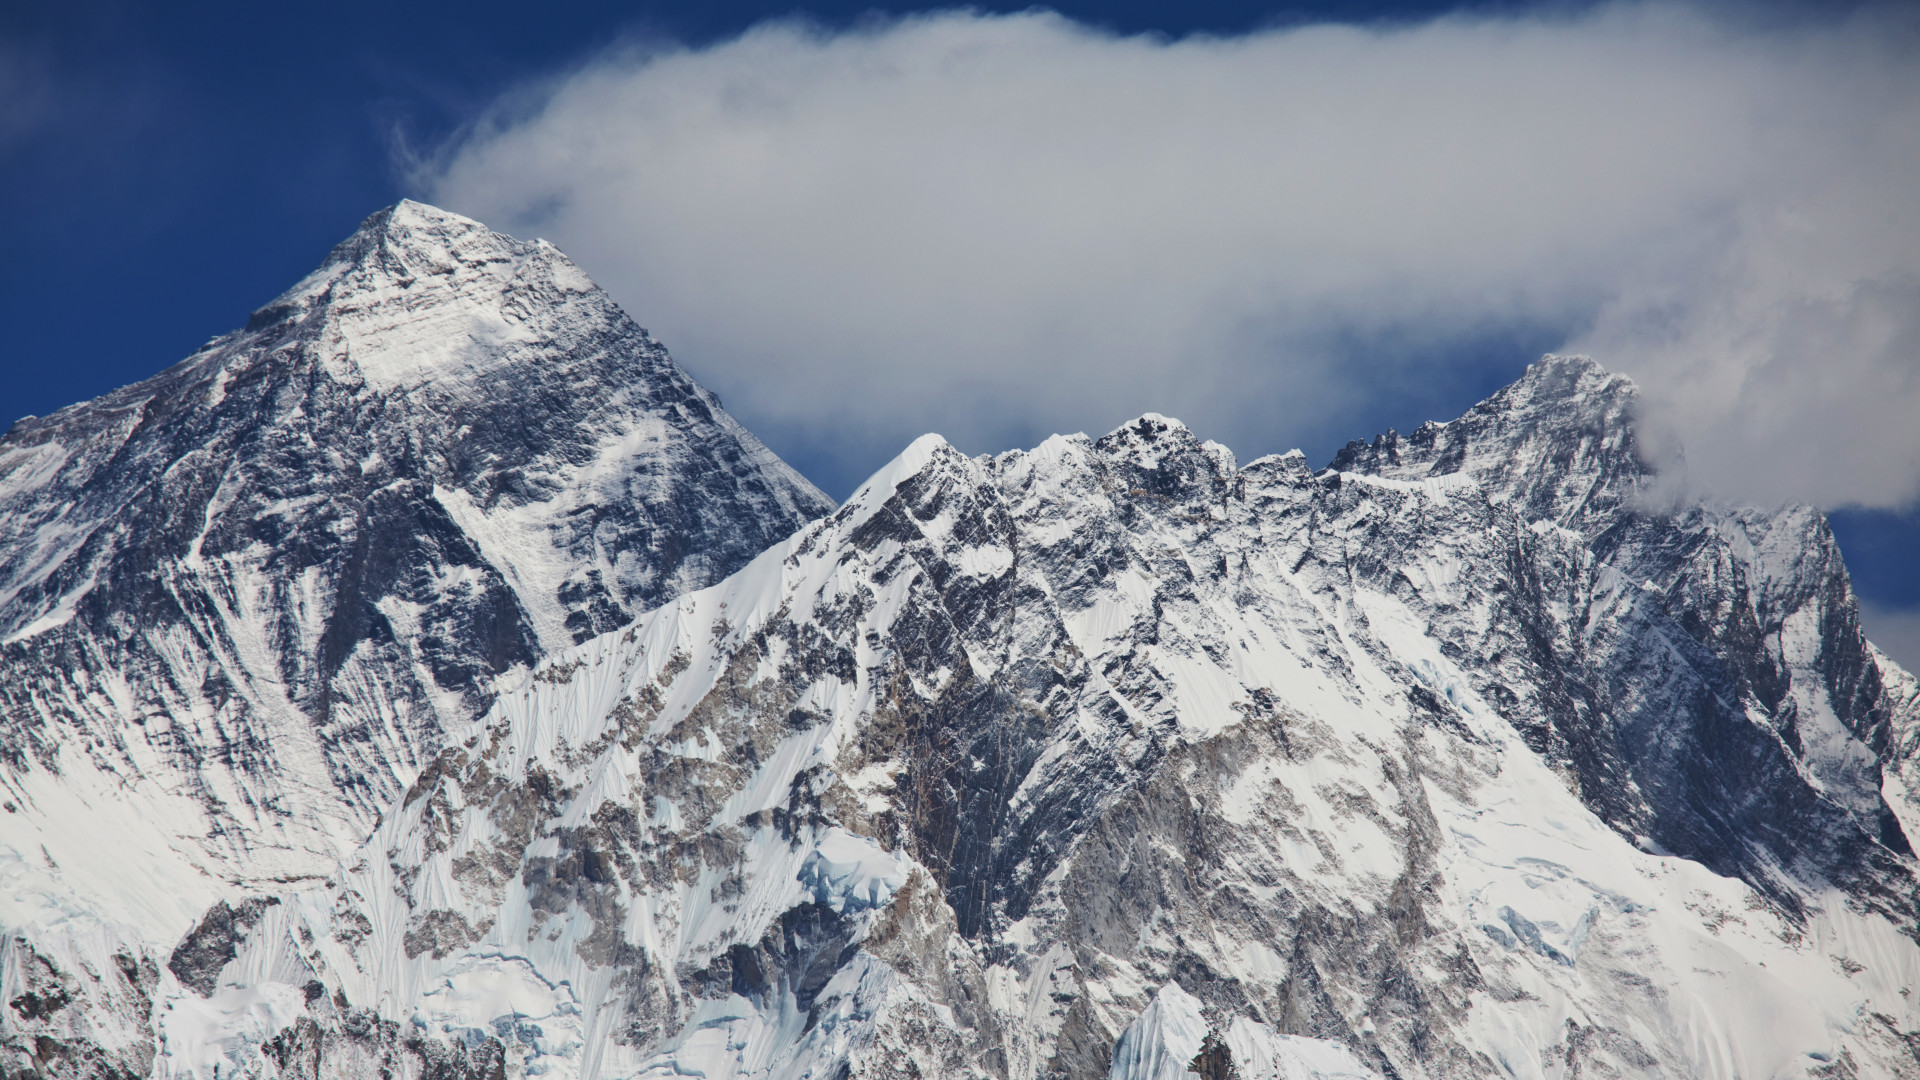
x=1173 y=1040
x=1117 y=758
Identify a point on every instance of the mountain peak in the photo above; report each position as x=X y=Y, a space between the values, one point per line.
x=423 y=230
x=409 y=211
x=1558 y=443
x=1023 y=721
x=1149 y=425
x=1566 y=364
x=411 y=223
x=403 y=240
x=1559 y=379
x=418 y=294
x=437 y=458
x=920 y=454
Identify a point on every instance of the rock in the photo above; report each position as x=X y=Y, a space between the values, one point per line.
x=1473 y=754
x=1117 y=757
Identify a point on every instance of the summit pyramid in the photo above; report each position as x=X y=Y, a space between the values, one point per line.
x=241 y=602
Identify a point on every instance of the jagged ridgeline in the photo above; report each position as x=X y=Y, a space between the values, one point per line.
x=1120 y=758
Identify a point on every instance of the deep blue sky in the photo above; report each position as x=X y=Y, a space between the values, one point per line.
x=166 y=168
x=174 y=171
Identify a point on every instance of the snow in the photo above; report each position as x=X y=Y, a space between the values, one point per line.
x=850 y=873
x=1444 y=485
x=1260 y=1054
x=63 y=611
x=501 y=994
x=1170 y=1032
x=1167 y=1036
x=189 y=745
x=872 y=496
x=202 y=1036
x=1190 y=732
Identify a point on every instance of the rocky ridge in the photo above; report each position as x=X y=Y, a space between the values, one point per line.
x=1455 y=759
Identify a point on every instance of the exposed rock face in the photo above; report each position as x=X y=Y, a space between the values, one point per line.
x=211 y=945
x=1558 y=445
x=77 y=1002
x=1452 y=762
x=1764 y=594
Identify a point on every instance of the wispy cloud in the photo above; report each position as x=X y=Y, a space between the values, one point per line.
x=26 y=91
x=1897 y=633
x=1000 y=226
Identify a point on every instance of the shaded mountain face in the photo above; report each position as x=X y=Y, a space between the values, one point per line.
x=1761 y=596
x=1118 y=758
x=1557 y=446
x=242 y=601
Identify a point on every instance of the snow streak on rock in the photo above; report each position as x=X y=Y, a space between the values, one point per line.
x=1117 y=758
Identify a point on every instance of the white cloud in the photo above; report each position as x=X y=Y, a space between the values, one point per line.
x=999 y=227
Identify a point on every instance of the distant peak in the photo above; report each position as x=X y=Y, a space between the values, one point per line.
x=399 y=246
x=415 y=225
x=412 y=213
x=919 y=455
x=417 y=208
x=1572 y=363
x=1556 y=444
x=1556 y=374
x=1146 y=427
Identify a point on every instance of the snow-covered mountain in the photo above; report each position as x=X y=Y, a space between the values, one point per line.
x=242 y=601
x=1461 y=758
x=429 y=681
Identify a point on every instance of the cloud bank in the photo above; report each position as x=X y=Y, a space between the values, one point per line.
x=1002 y=226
